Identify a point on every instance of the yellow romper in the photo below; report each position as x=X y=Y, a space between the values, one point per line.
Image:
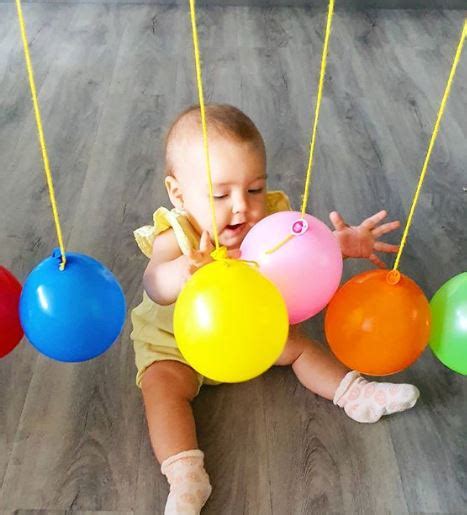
x=152 y=334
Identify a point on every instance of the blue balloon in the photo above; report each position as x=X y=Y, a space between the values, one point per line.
x=75 y=314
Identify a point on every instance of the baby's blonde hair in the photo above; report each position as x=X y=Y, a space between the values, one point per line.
x=225 y=119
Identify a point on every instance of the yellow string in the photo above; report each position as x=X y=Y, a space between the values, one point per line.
x=318 y=104
x=432 y=142
x=199 y=82
x=40 y=132
x=280 y=244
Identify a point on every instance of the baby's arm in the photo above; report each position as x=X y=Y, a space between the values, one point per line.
x=167 y=271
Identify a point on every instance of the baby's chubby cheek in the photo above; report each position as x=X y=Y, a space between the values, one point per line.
x=260 y=213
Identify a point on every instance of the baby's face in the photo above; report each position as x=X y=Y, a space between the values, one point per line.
x=239 y=187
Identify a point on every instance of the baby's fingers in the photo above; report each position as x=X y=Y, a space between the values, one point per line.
x=234 y=253
x=195 y=257
x=374 y=220
x=385 y=247
x=337 y=221
x=205 y=244
x=385 y=228
x=191 y=254
x=376 y=261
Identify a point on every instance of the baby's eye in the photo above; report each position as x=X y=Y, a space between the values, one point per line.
x=255 y=191
x=220 y=197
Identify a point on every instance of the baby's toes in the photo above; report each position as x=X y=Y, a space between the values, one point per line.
x=404 y=398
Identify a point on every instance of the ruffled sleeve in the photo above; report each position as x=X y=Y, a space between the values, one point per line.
x=277 y=201
x=164 y=219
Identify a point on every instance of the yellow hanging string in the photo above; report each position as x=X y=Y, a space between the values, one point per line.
x=218 y=253
x=40 y=132
x=318 y=104
x=280 y=244
x=432 y=143
x=319 y=98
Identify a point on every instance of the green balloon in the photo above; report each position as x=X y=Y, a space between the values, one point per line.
x=448 y=339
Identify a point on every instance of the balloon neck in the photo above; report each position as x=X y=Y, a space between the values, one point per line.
x=57 y=254
x=219 y=254
x=393 y=277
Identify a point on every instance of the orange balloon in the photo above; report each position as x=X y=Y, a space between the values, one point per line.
x=378 y=323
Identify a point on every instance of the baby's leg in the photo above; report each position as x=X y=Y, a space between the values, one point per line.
x=168 y=388
x=314 y=366
x=321 y=373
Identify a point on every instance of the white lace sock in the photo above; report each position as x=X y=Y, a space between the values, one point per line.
x=189 y=483
x=367 y=401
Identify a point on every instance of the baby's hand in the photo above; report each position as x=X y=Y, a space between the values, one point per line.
x=362 y=241
x=201 y=257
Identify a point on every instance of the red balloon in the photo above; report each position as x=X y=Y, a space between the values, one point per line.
x=11 y=331
x=378 y=323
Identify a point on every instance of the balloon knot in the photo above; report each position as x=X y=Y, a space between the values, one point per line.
x=57 y=254
x=393 y=277
x=299 y=227
x=219 y=254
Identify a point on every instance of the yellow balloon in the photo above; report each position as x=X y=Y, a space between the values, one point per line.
x=230 y=322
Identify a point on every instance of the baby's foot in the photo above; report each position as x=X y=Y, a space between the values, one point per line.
x=367 y=401
x=189 y=483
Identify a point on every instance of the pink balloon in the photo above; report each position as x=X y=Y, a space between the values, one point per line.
x=307 y=269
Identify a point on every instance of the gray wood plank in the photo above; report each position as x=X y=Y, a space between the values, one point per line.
x=322 y=4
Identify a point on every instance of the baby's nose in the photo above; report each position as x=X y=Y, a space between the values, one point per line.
x=240 y=204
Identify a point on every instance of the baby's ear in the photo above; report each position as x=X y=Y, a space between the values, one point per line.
x=174 y=191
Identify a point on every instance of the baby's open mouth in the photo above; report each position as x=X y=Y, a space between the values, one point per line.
x=235 y=227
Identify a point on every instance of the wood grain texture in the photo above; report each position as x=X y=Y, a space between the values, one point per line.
x=110 y=79
x=340 y=5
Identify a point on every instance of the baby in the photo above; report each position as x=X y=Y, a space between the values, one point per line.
x=179 y=243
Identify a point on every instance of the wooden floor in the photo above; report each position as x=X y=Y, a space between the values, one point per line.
x=111 y=77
